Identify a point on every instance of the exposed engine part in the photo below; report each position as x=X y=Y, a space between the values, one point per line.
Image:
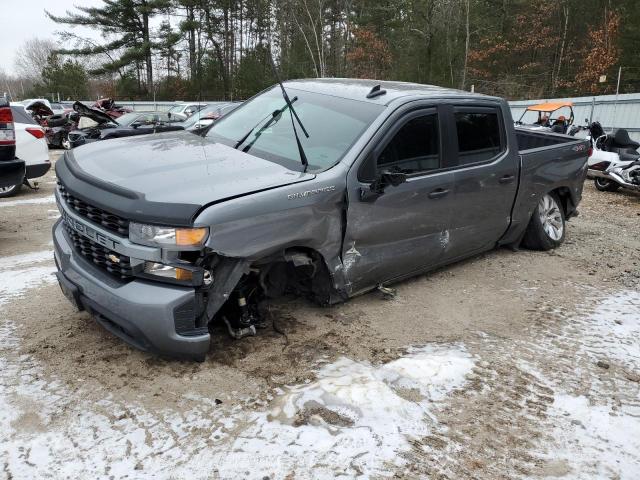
x=296 y=272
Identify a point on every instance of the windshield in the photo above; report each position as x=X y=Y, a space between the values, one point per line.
x=333 y=123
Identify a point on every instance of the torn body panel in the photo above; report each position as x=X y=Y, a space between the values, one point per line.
x=263 y=227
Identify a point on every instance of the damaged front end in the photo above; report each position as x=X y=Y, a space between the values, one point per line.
x=160 y=289
x=240 y=291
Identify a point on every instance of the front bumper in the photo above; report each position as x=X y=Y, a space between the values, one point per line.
x=142 y=313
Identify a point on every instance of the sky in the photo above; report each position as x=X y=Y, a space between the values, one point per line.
x=25 y=19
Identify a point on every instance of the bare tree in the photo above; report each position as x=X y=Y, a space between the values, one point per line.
x=32 y=56
x=467 y=7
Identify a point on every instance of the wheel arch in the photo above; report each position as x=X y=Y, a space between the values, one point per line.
x=567 y=201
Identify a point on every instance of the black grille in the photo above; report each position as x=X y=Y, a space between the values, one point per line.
x=108 y=220
x=100 y=255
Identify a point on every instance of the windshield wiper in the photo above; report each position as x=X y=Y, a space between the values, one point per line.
x=274 y=115
x=303 y=156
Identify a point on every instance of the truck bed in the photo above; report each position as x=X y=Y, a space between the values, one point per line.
x=548 y=161
x=532 y=140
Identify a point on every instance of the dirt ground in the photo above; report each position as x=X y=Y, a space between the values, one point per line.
x=548 y=346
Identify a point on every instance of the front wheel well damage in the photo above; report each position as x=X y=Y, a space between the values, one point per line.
x=242 y=289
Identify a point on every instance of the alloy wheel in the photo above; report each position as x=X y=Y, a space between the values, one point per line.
x=551 y=217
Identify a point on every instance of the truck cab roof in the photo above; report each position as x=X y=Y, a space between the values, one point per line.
x=378 y=91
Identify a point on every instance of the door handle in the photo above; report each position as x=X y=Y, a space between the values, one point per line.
x=439 y=193
x=507 y=179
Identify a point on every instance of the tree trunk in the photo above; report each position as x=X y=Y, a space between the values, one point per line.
x=147 y=47
x=556 y=78
x=466 y=47
x=191 y=36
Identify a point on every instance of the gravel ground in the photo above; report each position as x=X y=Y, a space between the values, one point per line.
x=509 y=365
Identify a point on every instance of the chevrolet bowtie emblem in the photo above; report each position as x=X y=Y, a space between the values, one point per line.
x=113 y=258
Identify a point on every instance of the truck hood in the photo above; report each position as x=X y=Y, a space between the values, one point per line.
x=179 y=168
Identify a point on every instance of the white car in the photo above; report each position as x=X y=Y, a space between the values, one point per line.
x=31 y=147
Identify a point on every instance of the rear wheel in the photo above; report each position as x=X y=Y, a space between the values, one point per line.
x=9 y=191
x=546 y=229
x=605 y=185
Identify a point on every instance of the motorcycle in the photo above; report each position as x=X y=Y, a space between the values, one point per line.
x=614 y=161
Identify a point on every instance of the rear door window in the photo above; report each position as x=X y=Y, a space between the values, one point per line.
x=479 y=135
x=415 y=148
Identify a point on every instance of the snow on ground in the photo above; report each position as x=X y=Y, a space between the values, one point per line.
x=615 y=330
x=7 y=263
x=16 y=276
x=355 y=418
x=596 y=441
x=597 y=432
x=28 y=201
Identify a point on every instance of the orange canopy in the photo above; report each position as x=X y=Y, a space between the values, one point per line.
x=549 y=107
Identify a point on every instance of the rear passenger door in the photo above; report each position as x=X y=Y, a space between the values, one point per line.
x=401 y=230
x=486 y=179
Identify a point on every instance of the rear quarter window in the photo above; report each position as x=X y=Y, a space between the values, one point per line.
x=479 y=135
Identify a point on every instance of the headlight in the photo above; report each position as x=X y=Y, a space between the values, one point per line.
x=153 y=235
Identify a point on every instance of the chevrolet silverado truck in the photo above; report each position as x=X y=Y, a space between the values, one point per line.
x=326 y=188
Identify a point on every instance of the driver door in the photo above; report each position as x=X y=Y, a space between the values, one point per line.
x=404 y=229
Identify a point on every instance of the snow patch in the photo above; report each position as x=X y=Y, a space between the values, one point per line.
x=598 y=441
x=615 y=330
x=29 y=201
x=355 y=419
x=14 y=281
x=25 y=259
x=595 y=433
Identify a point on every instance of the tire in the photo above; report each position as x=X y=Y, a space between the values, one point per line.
x=605 y=185
x=10 y=191
x=547 y=227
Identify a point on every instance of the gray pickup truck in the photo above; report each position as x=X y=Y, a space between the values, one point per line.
x=338 y=188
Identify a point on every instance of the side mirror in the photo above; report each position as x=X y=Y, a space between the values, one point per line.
x=382 y=181
x=135 y=124
x=393 y=178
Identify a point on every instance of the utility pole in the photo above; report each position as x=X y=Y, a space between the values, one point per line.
x=615 y=105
